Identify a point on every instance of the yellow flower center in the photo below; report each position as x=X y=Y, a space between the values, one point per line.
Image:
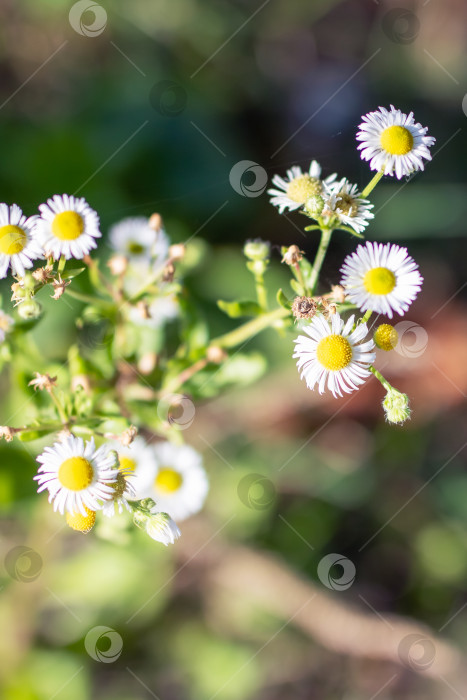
x=135 y=248
x=80 y=522
x=168 y=480
x=386 y=337
x=67 y=226
x=379 y=280
x=75 y=473
x=397 y=140
x=334 y=352
x=347 y=204
x=302 y=188
x=127 y=464
x=12 y=239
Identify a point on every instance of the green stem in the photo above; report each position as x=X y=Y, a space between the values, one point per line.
x=261 y=291
x=319 y=259
x=372 y=184
x=87 y=299
x=60 y=410
x=250 y=329
x=380 y=378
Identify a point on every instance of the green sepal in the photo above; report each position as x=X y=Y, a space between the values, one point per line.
x=282 y=300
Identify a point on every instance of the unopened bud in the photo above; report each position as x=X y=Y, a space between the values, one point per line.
x=29 y=309
x=396 y=406
x=155 y=222
x=257 y=250
x=118 y=264
x=314 y=206
x=177 y=251
x=385 y=337
x=216 y=355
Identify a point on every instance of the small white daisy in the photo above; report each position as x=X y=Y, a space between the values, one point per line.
x=6 y=322
x=137 y=240
x=381 y=278
x=77 y=475
x=162 y=528
x=345 y=202
x=392 y=141
x=294 y=191
x=178 y=483
x=332 y=354
x=18 y=243
x=67 y=226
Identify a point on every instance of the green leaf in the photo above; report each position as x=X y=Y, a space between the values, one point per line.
x=34 y=434
x=282 y=300
x=297 y=287
x=235 y=309
x=70 y=274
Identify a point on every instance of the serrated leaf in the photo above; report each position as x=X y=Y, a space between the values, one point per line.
x=235 y=309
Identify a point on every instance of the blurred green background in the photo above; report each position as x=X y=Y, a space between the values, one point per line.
x=146 y=106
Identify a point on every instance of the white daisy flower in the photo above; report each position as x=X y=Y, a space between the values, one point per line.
x=6 y=322
x=332 y=354
x=138 y=241
x=18 y=243
x=67 y=226
x=294 y=191
x=162 y=528
x=345 y=202
x=78 y=476
x=381 y=278
x=392 y=141
x=178 y=483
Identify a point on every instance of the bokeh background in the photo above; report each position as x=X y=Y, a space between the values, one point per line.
x=146 y=106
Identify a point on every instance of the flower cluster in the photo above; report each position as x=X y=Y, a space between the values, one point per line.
x=143 y=351
x=376 y=278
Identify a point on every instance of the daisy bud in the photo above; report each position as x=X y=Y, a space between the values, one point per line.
x=29 y=310
x=385 y=337
x=18 y=294
x=216 y=355
x=177 y=251
x=43 y=381
x=162 y=528
x=143 y=310
x=304 y=307
x=155 y=222
x=292 y=255
x=118 y=265
x=43 y=274
x=59 y=286
x=257 y=250
x=168 y=273
x=314 y=206
x=82 y=523
x=396 y=406
x=128 y=435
